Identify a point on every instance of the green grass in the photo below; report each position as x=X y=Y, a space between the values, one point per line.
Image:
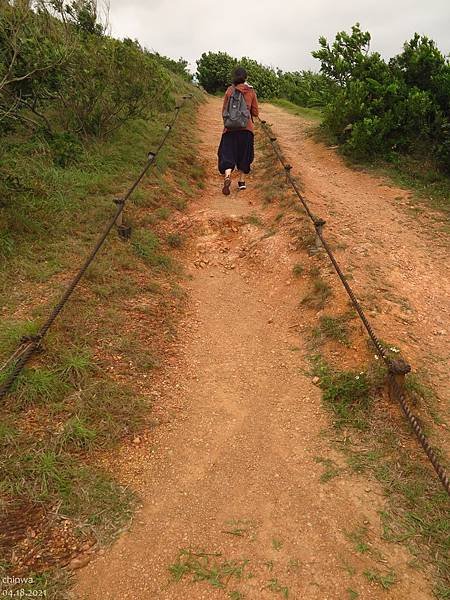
x=254 y=219
x=277 y=544
x=298 y=270
x=311 y=114
x=386 y=581
x=212 y=569
x=175 y=240
x=67 y=404
x=347 y=394
x=148 y=247
x=273 y=585
x=319 y=294
x=358 y=538
x=334 y=328
x=431 y=187
x=331 y=470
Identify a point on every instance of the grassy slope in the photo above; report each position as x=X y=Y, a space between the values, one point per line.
x=313 y=114
x=82 y=392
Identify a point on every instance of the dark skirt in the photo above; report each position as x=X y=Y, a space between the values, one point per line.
x=236 y=151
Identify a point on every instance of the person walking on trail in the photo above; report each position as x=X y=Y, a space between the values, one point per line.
x=236 y=149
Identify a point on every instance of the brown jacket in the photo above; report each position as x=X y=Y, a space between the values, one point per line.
x=250 y=100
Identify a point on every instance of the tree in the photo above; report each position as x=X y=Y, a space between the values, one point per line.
x=342 y=60
x=214 y=71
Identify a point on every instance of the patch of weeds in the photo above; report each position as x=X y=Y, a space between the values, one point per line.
x=417 y=507
x=140 y=197
x=271 y=193
x=185 y=186
x=177 y=291
x=37 y=385
x=162 y=213
x=240 y=528
x=293 y=565
x=140 y=355
x=207 y=567
x=358 y=537
x=418 y=391
x=361 y=461
x=319 y=294
x=39 y=472
x=298 y=270
x=352 y=595
x=386 y=581
x=8 y=432
x=277 y=544
x=254 y=219
x=103 y=412
x=348 y=394
x=146 y=245
x=175 y=240
x=311 y=114
x=179 y=203
x=77 y=434
x=6 y=244
x=275 y=586
x=269 y=233
x=334 y=328
x=349 y=568
x=11 y=333
x=331 y=470
x=442 y=591
x=269 y=565
x=279 y=217
x=75 y=366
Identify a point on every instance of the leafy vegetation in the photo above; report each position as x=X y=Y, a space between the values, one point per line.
x=214 y=72
x=79 y=112
x=388 y=108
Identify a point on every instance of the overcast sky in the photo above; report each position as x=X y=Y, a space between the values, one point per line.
x=277 y=33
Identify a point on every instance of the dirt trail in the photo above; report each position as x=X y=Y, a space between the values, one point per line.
x=232 y=467
x=394 y=251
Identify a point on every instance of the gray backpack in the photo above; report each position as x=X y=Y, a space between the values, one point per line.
x=236 y=115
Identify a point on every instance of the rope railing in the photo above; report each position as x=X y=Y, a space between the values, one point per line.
x=30 y=344
x=397 y=368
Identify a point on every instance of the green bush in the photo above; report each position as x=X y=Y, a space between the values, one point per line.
x=60 y=73
x=380 y=108
x=215 y=74
x=306 y=88
x=214 y=71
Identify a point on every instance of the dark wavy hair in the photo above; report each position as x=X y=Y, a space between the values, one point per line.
x=239 y=75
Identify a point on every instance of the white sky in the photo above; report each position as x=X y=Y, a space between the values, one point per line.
x=280 y=34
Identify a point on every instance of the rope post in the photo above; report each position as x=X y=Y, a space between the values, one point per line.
x=124 y=231
x=397 y=370
x=319 y=225
x=287 y=168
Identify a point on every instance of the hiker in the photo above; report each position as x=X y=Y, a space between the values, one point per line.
x=236 y=146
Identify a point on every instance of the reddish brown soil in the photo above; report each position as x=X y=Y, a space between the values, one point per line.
x=241 y=423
